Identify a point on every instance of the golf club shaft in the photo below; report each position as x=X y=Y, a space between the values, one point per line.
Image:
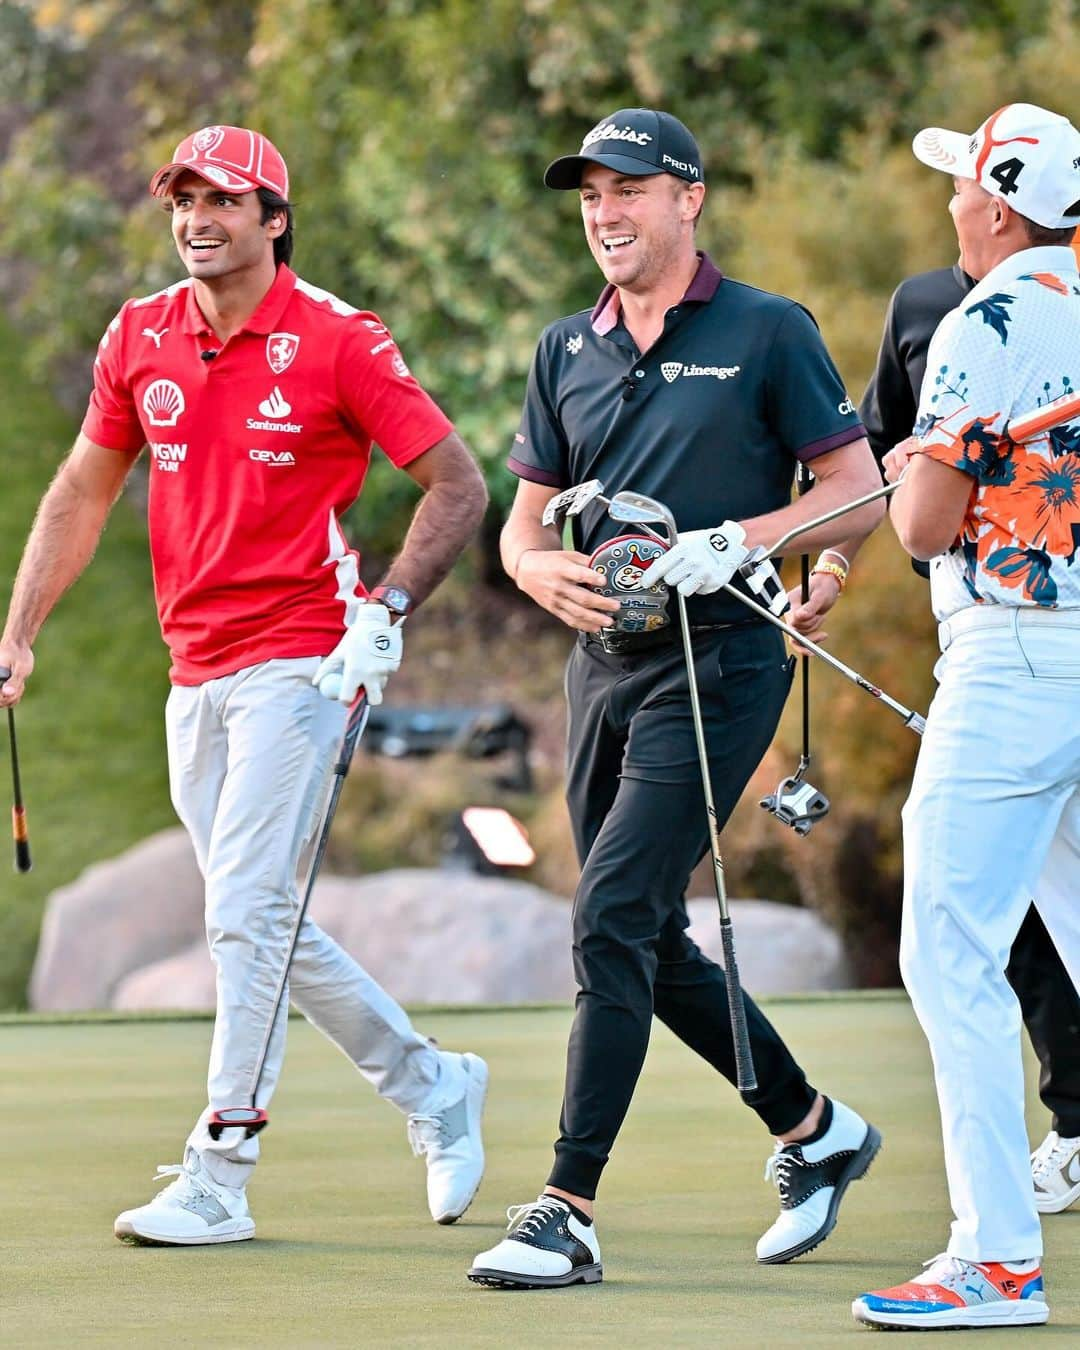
x=803 y=481
x=1028 y=427
x=886 y=490
x=23 y=861
x=911 y=718
x=804 y=762
x=745 y=1076
x=354 y=726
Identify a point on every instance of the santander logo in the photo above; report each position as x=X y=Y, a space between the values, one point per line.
x=275 y=406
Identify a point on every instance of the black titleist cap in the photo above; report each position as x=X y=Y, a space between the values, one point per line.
x=633 y=141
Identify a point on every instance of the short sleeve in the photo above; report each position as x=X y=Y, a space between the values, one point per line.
x=809 y=407
x=381 y=397
x=112 y=420
x=540 y=453
x=959 y=414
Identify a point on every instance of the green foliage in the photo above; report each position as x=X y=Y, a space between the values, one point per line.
x=90 y=728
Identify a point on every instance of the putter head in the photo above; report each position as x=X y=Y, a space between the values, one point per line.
x=796 y=803
x=571 y=502
x=635 y=508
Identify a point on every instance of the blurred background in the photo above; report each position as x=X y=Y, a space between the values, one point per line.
x=416 y=133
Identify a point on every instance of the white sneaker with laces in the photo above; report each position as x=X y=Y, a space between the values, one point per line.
x=545 y=1246
x=812 y=1179
x=191 y=1211
x=1055 y=1172
x=451 y=1141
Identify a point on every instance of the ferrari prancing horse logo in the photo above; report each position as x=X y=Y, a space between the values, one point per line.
x=280 y=350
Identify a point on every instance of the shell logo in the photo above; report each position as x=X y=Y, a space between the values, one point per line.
x=163 y=402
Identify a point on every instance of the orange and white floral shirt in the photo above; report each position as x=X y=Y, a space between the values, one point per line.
x=1012 y=345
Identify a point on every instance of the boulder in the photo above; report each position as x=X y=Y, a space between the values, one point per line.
x=780 y=949
x=427 y=936
x=123 y=936
x=118 y=916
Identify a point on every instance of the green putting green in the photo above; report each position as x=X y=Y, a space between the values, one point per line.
x=346 y=1254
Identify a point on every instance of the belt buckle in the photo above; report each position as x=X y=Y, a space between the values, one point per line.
x=619 y=642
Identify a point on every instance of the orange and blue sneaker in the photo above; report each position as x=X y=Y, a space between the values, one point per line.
x=955 y=1293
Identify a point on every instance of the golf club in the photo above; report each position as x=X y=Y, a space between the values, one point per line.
x=23 y=860
x=796 y=802
x=632 y=507
x=758 y=571
x=251 y=1119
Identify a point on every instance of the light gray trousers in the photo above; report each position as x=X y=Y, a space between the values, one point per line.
x=250 y=759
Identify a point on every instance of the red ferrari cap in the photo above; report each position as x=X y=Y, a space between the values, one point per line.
x=234 y=158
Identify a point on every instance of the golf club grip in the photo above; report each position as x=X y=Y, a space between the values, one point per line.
x=745 y=1077
x=23 y=861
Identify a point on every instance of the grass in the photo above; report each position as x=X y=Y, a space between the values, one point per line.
x=346 y=1255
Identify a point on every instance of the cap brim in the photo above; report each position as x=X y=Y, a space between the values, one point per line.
x=947 y=151
x=212 y=173
x=565 y=173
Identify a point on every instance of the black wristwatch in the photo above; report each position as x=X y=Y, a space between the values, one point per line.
x=396 y=599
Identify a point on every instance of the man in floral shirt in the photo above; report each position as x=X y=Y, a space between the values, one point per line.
x=994 y=812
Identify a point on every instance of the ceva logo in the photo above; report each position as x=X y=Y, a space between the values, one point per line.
x=275 y=458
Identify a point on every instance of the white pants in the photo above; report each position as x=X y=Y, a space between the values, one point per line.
x=993 y=818
x=250 y=757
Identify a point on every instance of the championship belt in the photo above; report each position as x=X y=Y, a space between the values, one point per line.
x=642 y=614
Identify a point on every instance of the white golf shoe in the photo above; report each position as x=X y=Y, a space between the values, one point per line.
x=189 y=1212
x=1055 y=1172
x=545 y=1246
x=451 y=1141
x=812 y=1179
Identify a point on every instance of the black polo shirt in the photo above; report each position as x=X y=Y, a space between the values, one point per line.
x=711 y=420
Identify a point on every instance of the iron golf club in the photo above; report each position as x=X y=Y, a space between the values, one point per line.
x=632 y=507
x=768 y=584
x=251 y=1119
x=23 y=860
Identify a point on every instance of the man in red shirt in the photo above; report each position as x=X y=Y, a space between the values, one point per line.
x=260 y=397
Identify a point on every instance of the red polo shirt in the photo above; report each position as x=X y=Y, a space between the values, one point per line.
x=256 y=455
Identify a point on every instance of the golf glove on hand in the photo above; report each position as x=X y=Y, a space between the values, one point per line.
x=367 y=655
x=701 y=562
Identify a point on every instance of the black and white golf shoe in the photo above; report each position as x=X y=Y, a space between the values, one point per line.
x=812 y=1179
x=545 y=1246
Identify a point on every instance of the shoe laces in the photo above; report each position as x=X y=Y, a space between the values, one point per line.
x=1051 y=1155
x=943 y=1269
x=184 y=1179
x=778 y=1167
x=538 y=1212
x=425 y=1133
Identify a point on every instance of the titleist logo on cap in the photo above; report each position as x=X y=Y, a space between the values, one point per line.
x=608 y=131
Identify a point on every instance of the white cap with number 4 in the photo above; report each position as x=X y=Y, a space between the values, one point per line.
x=1028 y=157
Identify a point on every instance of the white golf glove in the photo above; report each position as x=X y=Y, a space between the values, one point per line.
x=701 y=562
x=367 y=655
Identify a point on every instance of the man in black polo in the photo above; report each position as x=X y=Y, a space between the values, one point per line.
x=704 y=393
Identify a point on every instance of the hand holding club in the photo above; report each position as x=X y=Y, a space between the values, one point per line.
x=367 y=656
x=701 y=562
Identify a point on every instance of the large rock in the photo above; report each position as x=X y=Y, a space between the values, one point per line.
x=128 y=934
x=780 y=949
x=427 y=936
x=118 y=916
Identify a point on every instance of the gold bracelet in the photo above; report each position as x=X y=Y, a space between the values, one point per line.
x=832 y=569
